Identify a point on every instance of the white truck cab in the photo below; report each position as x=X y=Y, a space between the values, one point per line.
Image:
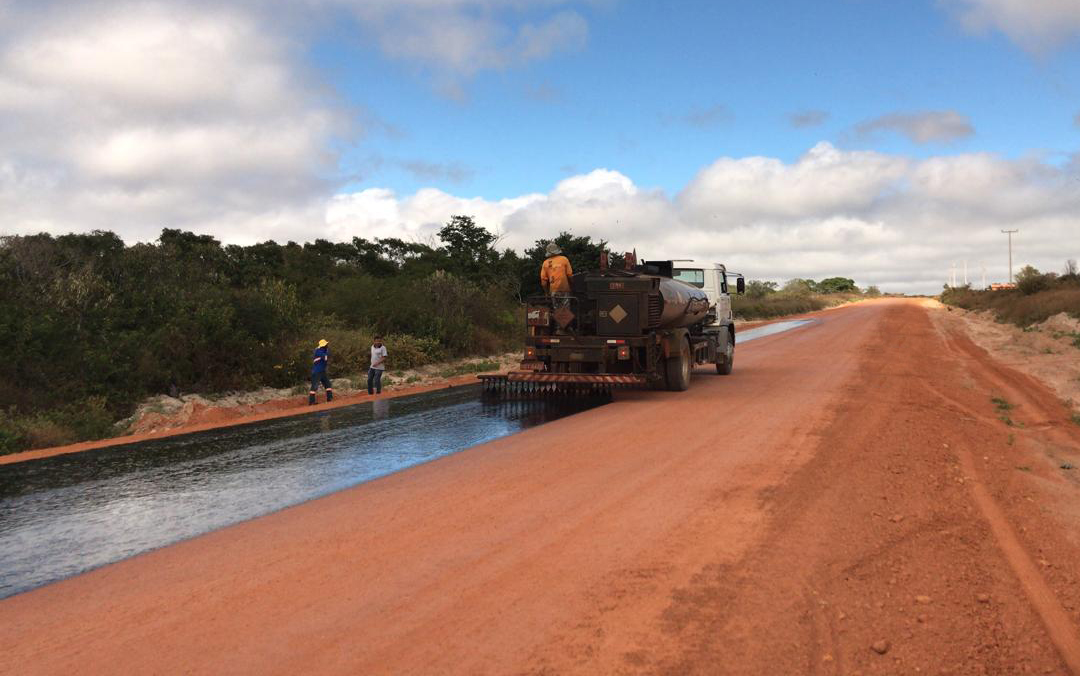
x=712 y=278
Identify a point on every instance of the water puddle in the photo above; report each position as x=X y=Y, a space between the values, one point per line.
x=770 y=329
x=67 y=514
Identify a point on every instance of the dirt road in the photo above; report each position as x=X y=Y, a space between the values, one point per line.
x=849 y=501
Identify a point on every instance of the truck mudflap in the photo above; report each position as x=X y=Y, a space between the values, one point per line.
x=537 y=381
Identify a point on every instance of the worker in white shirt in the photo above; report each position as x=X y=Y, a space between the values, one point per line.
x=378 y=365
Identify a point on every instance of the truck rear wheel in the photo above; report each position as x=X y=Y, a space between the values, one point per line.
x=678 y=369
x=726 y=360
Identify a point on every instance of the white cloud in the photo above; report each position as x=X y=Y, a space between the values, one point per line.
x=824 y=181
x=1036 y=25
x=138 y=116
x=922 y=127
x=467 y=36
x=881 y=219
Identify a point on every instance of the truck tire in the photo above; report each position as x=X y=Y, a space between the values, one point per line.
x=678 y=369
x=726 y=361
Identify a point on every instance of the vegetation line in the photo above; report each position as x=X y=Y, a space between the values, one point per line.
x=89 y=326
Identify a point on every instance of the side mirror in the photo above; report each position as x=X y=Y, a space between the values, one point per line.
x=740 y=285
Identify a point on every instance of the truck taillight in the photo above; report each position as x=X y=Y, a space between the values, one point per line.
x=530 y=352
x=624 y=352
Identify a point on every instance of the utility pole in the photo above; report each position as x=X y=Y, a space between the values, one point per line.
x=1010 y=234
x=965 y=272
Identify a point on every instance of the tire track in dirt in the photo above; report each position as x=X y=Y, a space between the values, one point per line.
x=875 y=539
x=1057 y=621
x=1049 y=413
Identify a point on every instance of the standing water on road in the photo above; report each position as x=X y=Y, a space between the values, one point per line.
x=67 y=514
x=771 y=329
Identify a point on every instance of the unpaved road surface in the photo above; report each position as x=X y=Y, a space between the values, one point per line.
x=849 y=501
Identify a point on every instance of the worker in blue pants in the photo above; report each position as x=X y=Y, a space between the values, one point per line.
x=318 y=373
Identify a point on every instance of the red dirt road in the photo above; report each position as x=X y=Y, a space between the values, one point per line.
x=848 y=501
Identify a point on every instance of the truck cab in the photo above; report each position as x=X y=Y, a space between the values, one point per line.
x=713 y=279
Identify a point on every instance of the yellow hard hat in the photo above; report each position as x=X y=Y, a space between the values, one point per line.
x=323 y=343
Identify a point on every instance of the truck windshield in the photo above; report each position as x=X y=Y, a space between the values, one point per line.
x=690 y=276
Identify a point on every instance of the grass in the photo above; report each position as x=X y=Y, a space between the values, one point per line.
x=1075 y=417
x=469 y=367
x=1003 y=407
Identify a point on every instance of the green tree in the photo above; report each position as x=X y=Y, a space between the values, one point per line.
x=798 y=286
x=836 y=285
x=756 y=288
x=1029 y=280
x=469 y=248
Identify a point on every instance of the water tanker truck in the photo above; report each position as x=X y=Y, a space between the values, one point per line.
x=644 y=326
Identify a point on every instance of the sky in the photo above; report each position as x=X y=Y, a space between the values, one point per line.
x=883 y=140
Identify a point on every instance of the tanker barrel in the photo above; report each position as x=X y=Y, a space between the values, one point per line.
x=683 y=304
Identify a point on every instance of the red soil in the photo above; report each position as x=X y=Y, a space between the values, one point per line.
x=848 y=501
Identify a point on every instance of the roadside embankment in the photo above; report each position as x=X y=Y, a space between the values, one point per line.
x=167 y=416
x=1048 y=350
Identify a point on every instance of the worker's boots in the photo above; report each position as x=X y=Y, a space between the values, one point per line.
x=311 y=398
x=329 y=395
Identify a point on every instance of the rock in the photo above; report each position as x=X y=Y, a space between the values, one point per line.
x=881 y=647
x=921 y=619
x=897 y=518
x=922 y=599
x=982 y=598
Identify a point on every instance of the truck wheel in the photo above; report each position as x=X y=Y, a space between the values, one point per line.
x=727 y=360
x=678 y=369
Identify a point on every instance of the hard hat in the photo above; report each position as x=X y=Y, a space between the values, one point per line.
x=553 y=249
x=323 y=343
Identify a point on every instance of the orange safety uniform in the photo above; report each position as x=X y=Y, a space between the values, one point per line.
x=555 y=274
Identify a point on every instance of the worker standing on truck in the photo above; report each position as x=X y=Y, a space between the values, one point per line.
x=555 y=274
x=318 y=373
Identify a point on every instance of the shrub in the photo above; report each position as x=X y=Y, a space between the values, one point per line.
x=775 y=305
x=88 y=419
x=1016 y=307
x=1030 y=281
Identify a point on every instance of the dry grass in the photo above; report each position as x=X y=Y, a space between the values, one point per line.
x=783 y=304
x=1016 y=307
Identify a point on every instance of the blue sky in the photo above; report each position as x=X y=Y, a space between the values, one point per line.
x=661 y=89
x=884 y=140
